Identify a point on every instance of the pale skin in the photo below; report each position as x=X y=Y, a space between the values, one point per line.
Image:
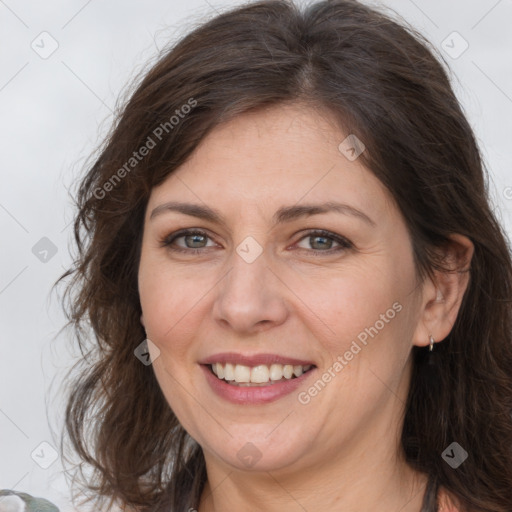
x=298 y=298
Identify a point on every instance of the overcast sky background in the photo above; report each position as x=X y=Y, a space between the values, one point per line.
x=54 y=108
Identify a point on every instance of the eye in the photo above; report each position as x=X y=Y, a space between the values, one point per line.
x=195 y=241
x=322 y=241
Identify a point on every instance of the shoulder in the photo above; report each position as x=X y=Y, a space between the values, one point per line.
x=13 y=501
x=446 y=502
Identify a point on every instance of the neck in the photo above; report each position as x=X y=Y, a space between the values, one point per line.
x=359 y=484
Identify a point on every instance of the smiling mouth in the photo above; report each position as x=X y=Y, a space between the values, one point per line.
x=260 y=375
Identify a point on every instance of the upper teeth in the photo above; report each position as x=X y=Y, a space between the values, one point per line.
x=257 y=374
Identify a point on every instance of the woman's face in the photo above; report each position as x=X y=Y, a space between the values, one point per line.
x=263 y=295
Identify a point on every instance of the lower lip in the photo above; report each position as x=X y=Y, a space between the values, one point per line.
x=253 y=394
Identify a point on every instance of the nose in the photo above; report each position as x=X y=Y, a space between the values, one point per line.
x=251 y=297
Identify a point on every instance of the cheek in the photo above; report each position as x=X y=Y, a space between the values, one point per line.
x=367 y=324
x=175 y=303
x=164 y=299
x=368 y=328
x=346 y=305
x=167 y=303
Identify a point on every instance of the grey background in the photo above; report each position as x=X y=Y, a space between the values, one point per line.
x=53 y=113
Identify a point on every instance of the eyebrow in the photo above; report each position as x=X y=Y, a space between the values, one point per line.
x=284 y=214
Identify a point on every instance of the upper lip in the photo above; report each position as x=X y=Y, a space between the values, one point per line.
x=254 y=359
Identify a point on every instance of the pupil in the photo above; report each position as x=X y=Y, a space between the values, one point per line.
x=320 y=238
x=196 y=237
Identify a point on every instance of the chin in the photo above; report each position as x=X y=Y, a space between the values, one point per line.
x=256 y=451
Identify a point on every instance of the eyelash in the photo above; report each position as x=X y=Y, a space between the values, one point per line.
x=343 y=242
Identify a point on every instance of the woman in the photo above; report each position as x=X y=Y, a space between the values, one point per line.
x=298 y=292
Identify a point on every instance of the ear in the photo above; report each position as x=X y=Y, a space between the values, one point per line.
x=142 y=320
x=443 y=296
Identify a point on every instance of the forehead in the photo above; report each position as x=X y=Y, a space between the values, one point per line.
x=274 y=156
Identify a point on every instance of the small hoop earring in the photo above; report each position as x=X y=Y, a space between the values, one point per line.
x=432 y=341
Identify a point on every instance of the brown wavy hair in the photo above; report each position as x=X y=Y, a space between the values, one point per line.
x=386 y=84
